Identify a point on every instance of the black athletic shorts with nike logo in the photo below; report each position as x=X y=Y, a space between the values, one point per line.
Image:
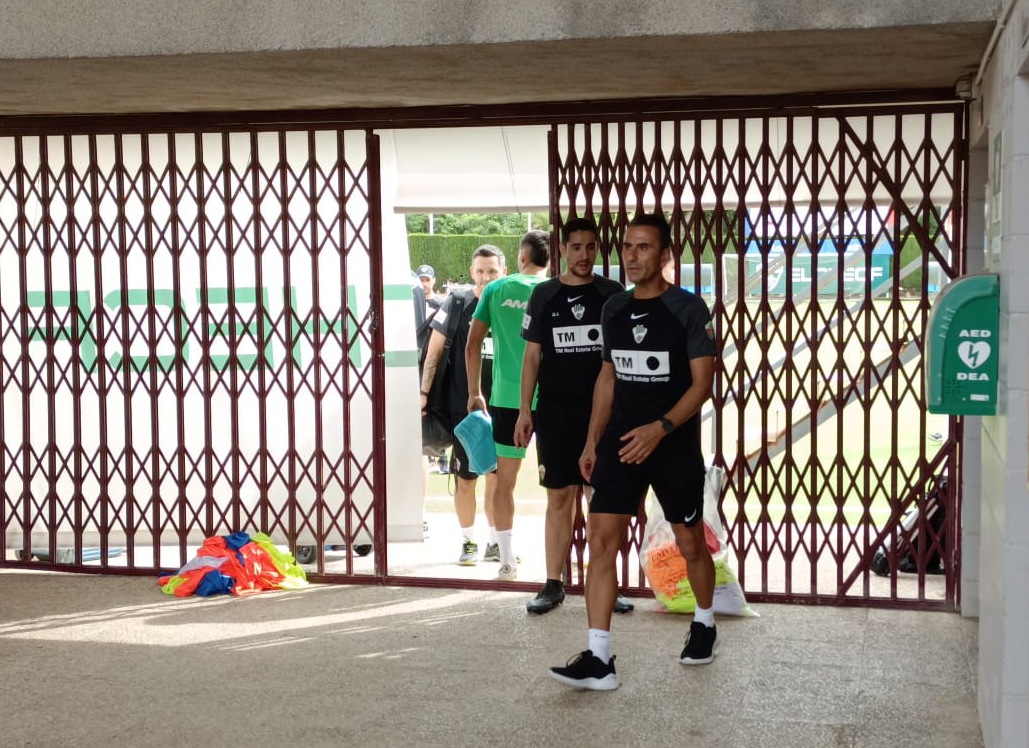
x=675 y=470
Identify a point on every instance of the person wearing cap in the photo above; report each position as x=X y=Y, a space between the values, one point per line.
x=427 y=278
x=426 y=304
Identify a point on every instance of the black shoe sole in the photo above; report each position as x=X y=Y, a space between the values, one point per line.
x=625 y=607
x=541 y=610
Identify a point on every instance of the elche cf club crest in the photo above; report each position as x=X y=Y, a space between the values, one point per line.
x=638 y=333
x=578 y=310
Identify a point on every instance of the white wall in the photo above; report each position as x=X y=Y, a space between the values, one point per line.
x=404 y=488
x=971 y=508
x=1004 y=554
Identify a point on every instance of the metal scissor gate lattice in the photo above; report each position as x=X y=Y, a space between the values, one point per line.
x=819 y=239
x=240 y=383
x=183 y=350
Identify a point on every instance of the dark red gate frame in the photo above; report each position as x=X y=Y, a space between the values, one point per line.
x=611 y=169
x=170 y=204
x=625 y=173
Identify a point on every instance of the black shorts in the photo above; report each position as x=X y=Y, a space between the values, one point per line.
x=560 y=437
x=675 y=471
x=504 y=422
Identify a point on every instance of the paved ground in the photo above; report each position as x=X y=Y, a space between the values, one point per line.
x=110 y=661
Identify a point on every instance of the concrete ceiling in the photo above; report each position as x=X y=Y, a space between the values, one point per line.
x=785 y=62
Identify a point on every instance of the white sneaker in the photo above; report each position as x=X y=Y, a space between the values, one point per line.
x=507 y=573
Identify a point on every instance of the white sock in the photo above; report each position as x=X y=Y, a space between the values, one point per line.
x=493 y=535
x=705 y=616
x=600 y=644
x=469 y=533
x=507 y=554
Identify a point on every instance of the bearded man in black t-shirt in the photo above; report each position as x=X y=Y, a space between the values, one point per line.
x=562 y=356
x=644 y=432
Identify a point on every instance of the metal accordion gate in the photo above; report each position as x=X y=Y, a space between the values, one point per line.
x=190 y=327
x=191 y=331
x=819 y=238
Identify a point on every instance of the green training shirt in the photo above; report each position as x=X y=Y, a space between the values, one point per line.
x=502 y=309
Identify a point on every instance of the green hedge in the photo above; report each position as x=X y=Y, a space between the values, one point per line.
x=451 y=255
x=910 y=251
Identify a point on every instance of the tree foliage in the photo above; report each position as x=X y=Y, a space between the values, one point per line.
x=451 y=255
x=481 y=224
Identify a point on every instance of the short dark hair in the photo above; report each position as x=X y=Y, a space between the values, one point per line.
x=489 y=250
x=657 y=221
x=578 y=224
x=538 y=244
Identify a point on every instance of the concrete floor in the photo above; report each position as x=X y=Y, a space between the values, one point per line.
x=110 y=661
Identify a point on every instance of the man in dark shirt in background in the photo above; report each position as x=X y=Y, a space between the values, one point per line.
x=487 y=265
x=562 y=355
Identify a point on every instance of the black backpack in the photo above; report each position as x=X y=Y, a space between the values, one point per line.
x=436 y=434
x=910 y=542
x=422 y=333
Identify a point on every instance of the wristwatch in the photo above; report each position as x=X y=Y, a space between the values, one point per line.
x=667 y=425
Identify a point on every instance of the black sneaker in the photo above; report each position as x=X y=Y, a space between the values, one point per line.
x=548 y=598
x=587 y=672
x=622 y=605
x=700 y=645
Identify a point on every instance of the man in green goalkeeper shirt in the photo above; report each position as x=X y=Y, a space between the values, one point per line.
x=501 y=311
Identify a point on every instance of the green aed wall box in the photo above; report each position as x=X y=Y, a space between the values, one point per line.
x=961 y=347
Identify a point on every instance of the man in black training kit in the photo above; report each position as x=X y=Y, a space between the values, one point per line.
x=487 y=265
x=659 y=359
x=562 y=354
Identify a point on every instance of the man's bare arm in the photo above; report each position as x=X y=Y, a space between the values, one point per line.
x=600 y=414
x=473 y=364
x=433 y=355
x=603 y=397
x=527 y=388
x=702 y=370
x=641 y=441
x=530 y=375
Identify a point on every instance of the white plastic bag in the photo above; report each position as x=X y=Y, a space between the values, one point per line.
x=666 y=568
